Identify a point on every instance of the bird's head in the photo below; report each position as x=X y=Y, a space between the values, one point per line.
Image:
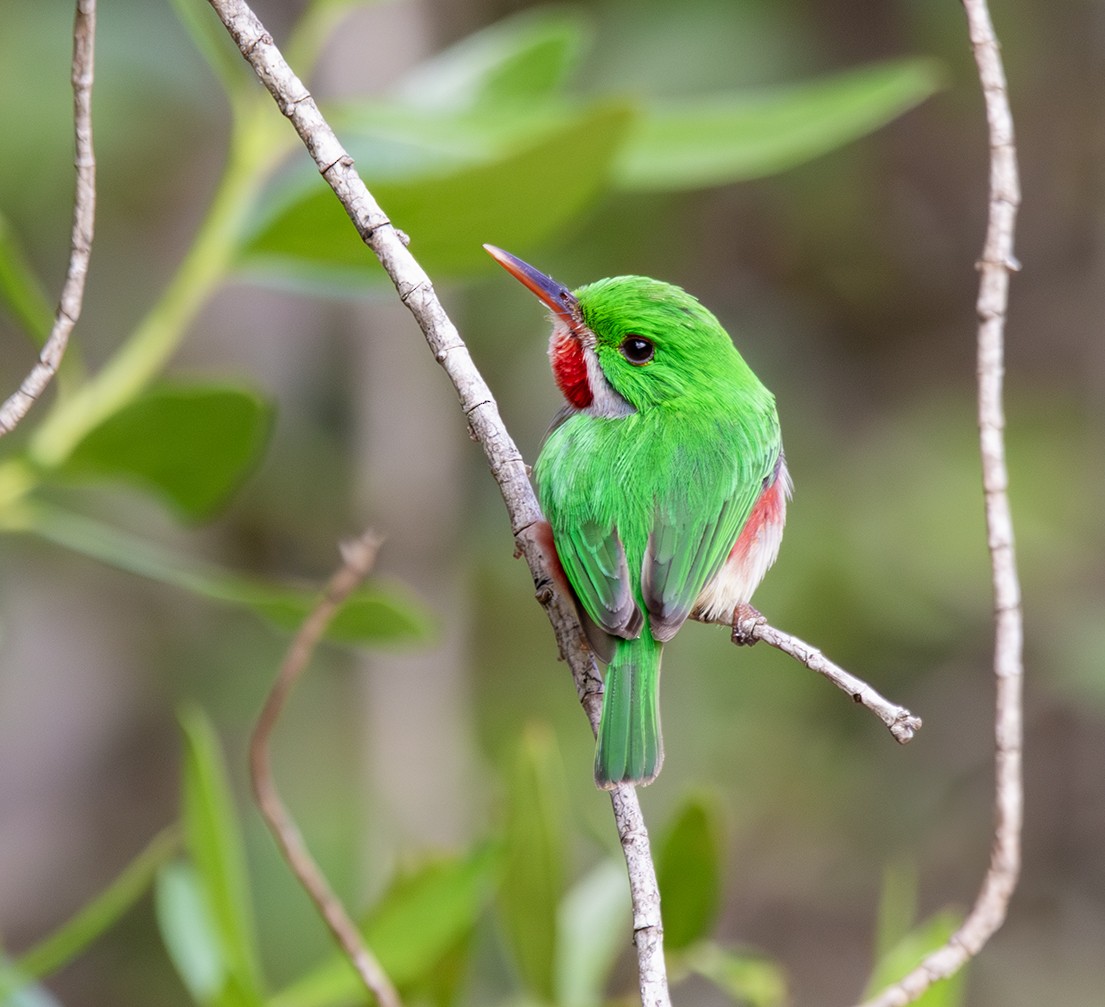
x=628 y=343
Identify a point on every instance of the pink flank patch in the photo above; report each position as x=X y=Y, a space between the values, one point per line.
x=751 y=557
x=570 y=371
x=767 y=516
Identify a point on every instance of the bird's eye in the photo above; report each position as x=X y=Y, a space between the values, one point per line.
x=637 y=349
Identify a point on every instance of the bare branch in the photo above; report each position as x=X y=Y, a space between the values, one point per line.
x=482 y=413
x=358 y=558
x=84 y=214
x=752 y=626
x=990 y=907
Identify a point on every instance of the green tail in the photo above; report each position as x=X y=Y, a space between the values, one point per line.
x=630 y=748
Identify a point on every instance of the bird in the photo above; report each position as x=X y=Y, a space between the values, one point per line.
x=663 y=482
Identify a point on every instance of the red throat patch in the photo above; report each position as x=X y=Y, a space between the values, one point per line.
x=570 y=370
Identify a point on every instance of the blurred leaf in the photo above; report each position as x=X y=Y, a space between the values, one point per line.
x=423 y=915
x=908 y=952
x=442 y=986
x=371 y=615
x=192 y=444
x=376 y=614
x=688 y=869
x=732 y=137
x=516 y=60
x=745 y=977
x=515 y=199
x=188 y=931
x=401 y=143
x=897 y=907
x=214 y=842
x=101 y=913
x=533 y=871
x=21 y=290
x=418 y=921
x=593 y=928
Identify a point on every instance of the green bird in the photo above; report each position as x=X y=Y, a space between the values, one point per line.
x=663 y=482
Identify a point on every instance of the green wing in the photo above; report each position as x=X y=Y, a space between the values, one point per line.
x=594 y=561
x=572 y=474
x=692 y=535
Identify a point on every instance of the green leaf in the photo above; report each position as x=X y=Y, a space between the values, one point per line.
x=101 y=913
x=214 y=843
x=21 y=290
x=729 y=138
x=688 y=870
x=188 y=931
x=516 y=61
x=897 y=907
x=396 y=142
x=376 y=614
x=419 y=920
x=515 y=199
x=745 y=977
x=533 y=869
x=192 y=444
x=593 y=928
x=424 y=913
x=900 y=945
x=908 y=952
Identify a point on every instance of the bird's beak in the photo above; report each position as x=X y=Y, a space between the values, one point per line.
x=559 y=298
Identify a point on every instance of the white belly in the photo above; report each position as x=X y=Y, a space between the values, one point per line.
x=750 y=558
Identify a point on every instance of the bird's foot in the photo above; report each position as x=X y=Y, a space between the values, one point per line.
x=745 y=621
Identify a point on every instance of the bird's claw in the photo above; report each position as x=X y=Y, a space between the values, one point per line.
x=745 y=621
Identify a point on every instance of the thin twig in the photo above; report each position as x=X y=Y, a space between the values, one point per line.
x=902 y=724
x=84 y=214
x=990 y=907
x=358 y=558
x=487 y=427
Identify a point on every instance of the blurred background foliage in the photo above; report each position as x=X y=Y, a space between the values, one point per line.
x=244 y=391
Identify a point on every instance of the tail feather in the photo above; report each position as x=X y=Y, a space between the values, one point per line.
x=630 y=746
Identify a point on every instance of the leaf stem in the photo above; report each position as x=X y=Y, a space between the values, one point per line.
x=158 y=335
x=358 y=558
x=69 y=940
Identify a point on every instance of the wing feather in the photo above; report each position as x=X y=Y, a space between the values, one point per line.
x=692 y=535
x=594 y=560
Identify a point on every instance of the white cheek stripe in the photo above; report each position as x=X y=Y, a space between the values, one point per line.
x=605 y=402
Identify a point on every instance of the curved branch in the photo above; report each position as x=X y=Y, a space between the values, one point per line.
x=358 y=558
x=479 y=407
x=990 y=907
x=749 y=627
x=84 y=214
